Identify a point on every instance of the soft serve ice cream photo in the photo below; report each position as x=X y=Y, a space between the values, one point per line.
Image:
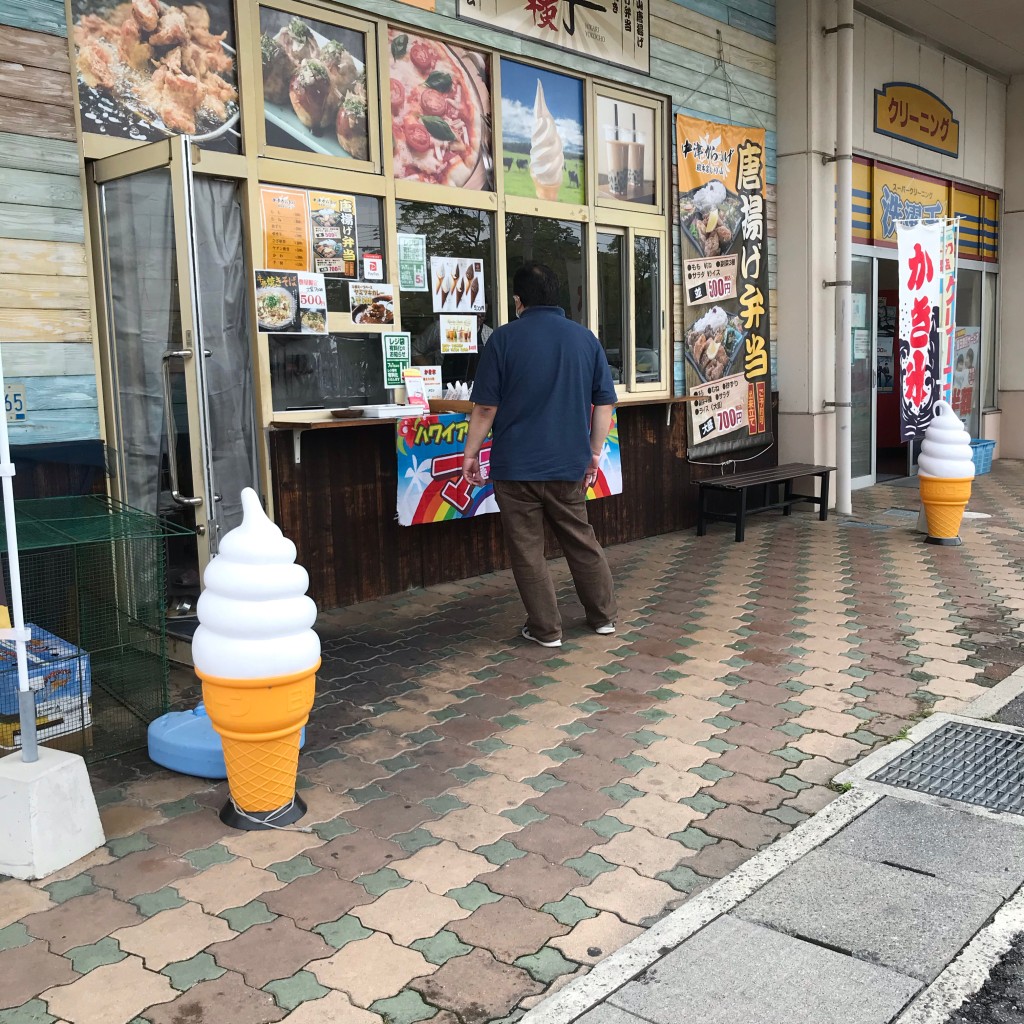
x=257 y=656
x=945 y=472
x=542 y=134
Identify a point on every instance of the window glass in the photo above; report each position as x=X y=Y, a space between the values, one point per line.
x=459 y=280
x=559 y=244
x=988 y=342
x=967 y=380
x=326 y=371
x=314 y=86
x=648 y=314
x=440 y=111
x=611 y=300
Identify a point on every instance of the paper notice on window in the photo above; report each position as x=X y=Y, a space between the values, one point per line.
x=458 y=334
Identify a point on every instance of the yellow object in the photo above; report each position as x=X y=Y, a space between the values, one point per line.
x=5 y=617
x=259 y=721
x=712 y=221
x=944 y=501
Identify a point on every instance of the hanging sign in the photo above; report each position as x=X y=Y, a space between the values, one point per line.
x=725 y=319
x=431 y=488
x=333 y=219
x=608 y=30
x=920 y=270
x=915 y=115
x=947 y=312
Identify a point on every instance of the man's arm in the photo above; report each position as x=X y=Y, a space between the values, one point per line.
x=480 y=422
x=600 y=424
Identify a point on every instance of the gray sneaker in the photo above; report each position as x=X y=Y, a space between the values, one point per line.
x=527 y=635
x=606 y=629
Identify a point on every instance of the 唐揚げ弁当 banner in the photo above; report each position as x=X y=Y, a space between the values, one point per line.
x=723 y=234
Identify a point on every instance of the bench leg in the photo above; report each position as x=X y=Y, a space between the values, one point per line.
x=823 y=511
x=701 y=523
x=787 y=493
x=741 y=514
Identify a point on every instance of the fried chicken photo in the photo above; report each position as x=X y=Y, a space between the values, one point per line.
x=160 y=57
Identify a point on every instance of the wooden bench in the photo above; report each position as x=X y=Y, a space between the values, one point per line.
x=765 y=481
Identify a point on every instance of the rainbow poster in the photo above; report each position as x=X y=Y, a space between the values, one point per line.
x=430 y=484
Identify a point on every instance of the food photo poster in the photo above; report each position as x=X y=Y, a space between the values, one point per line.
x=625 y=151
x=440 y=112
x=290 y=302
x=132 y=59
x=457 y=285
x=314 y=86
x=541 y=133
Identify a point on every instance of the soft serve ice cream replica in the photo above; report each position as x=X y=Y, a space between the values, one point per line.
x=257 y=656
x=547 y=156
x=945 y=471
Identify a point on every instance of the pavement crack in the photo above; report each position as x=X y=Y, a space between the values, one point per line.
x=906 y=867
x=824 y=945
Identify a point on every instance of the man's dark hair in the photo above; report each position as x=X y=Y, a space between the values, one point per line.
x=536 y=285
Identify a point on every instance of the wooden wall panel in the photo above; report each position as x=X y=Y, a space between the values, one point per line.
x=44 y=290
x=337 y=507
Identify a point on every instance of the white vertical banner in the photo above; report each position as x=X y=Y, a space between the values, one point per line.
x=947 y=320
x=921 y=258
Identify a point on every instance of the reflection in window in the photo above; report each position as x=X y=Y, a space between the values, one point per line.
x=559 y=244
x=648 y=315
x=309 y=371
x=452 y=233
x=369 y=240
x=611 y=317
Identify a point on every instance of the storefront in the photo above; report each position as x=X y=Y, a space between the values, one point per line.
x=414 y=161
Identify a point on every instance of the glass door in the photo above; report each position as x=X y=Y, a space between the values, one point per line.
x=177 y=353
x=863 y=373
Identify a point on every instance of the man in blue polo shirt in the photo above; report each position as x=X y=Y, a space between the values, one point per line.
x=544 y=387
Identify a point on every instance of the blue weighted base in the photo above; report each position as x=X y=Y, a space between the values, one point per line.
x=186 y=742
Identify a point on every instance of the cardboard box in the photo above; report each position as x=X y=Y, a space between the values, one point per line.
x=57 y=722
x=57 y=671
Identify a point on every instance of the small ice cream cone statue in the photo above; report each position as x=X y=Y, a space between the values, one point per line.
x=945 y=471
x=547 y=155
x=257 y=656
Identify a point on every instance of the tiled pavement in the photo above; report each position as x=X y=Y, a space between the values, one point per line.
x=491 y=818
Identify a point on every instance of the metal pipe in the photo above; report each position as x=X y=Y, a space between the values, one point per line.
x=844 y=253
x=26 y=699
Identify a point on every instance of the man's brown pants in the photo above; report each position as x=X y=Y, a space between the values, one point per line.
x=525 y=505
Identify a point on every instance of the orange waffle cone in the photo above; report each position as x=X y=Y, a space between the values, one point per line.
x=262 y=774
x=944 y=502
x=259 y=721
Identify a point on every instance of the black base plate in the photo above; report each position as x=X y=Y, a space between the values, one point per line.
x=256 y=820
x=946 y=542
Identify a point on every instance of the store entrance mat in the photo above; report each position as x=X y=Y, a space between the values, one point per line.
x=965 y=762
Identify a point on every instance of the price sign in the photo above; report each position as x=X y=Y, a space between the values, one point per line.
x=14 y=403
x=710 y=280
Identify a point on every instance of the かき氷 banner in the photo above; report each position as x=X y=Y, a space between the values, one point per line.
x=430 y=484
x=921 y=261
x=723 y=234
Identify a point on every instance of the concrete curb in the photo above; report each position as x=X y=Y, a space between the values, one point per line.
x=635 y=957
x=932 y=1006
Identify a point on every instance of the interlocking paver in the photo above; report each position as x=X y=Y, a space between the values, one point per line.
x=409 y=913
x=226 y=998
x=627 y=894
x=28 y=969
x=508 y=929
x=266 y=952
x=81 y=921
x=227 y=885
x=172 y=935
x=593 y=939
x=313 y=899
x=114 y=992
x=532 y=880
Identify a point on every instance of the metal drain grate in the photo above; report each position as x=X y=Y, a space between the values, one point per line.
x=964 y=762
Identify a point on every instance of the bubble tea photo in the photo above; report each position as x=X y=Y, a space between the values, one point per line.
x=625 y=166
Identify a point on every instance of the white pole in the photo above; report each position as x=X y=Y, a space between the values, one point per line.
x=26 y=699
x=844 y=254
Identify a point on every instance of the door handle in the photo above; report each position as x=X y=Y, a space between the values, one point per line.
x=172 y=436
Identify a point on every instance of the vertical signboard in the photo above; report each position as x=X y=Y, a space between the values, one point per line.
x=921 y=303
x=725 y=271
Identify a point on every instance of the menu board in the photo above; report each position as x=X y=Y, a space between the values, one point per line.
x=333 y=221
x=286 y=236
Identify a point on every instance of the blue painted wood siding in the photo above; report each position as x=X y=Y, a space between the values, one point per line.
x=45 y=320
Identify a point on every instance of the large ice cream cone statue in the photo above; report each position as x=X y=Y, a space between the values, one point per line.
x=945 y=471
x=547 y=155
x=257 y=656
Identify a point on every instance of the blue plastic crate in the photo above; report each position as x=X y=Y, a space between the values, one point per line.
x=981 y=452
